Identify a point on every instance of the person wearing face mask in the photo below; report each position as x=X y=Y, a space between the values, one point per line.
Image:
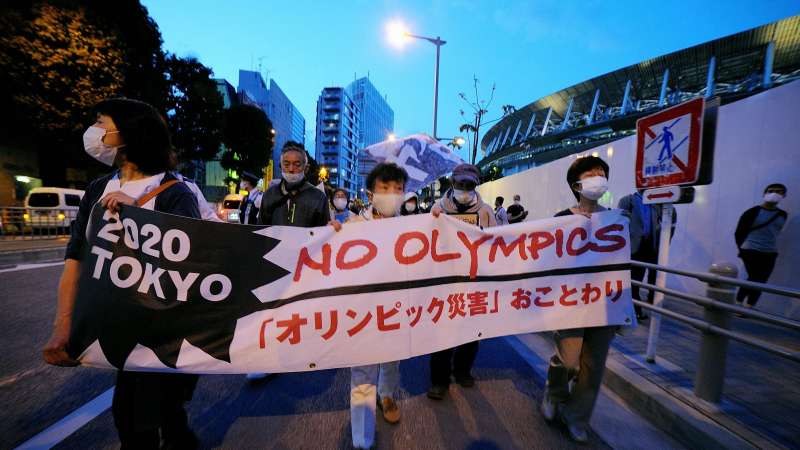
x=376 y=383
x=462 y=198
x=147 y=406
x=500 y=213
x=516 y=212
x=757 y=239
x=580 y=353
x=251 y=203
x=339 y=203
x=411 y=205
x=294 y=201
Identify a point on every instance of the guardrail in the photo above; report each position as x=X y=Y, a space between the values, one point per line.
x=719 y=307
x=18 y=223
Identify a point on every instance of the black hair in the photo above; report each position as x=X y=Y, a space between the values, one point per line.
x=581 y=166
x=500 y=200
x=776 y=185
x=346 y=194
x=144 y=133
x=386 y=172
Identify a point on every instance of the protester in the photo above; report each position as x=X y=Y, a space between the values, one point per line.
x=645 y=231
x=385 y=184
x=757 y=239
x=580 y=353
x=147 y=406
x=411 y=205
x=251 y=203
x=206 y=211
x=461 y=198
x=292 y=201
x=500 y=212
x=339 y=204
x=516 y=212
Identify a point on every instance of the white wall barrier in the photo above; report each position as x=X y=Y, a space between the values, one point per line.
x=758 y=142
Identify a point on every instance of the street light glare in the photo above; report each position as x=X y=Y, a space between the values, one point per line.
x=397 y=33
x=391 y=137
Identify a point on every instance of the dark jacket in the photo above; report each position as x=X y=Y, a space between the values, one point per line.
x=178 y=199
x=628 y=206
x=305 y=206
x=745 y=225
x=252 y=218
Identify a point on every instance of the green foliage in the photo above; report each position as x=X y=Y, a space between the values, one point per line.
x=491 y=173
x=247 y=136
x=194 y=109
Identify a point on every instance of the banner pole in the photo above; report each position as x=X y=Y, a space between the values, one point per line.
x=661 y=279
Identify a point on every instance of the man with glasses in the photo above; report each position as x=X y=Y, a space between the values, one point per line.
x=293 y=201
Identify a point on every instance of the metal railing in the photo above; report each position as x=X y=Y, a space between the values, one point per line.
x=719 y=307
x=18 y=223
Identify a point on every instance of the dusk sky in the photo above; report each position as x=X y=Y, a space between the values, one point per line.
x=528 y=49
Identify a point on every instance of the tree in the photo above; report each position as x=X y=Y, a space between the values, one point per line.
x=194 y=109
x=479 y=108
x=491 y=173
x=247 y=136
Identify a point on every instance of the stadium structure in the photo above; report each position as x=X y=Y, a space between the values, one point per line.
x=605 y=108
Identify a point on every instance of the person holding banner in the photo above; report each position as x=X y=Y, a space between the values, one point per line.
x=580 y=352
x=464 y=202
x=148 y=407
x=385 y=184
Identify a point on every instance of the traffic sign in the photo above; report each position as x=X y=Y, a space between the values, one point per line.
x=668 y=146
x=668 y=194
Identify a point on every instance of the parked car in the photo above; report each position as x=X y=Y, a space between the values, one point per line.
x=229 y=210
x=51 y=207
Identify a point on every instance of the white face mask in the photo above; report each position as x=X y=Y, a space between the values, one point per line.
x=96 y=148
x=516 y=201
x=388 y=205
x=340 y=203
x=772 y=197
x=593 y=187
x=293 y=178
x=411 y=206
x=464 y=197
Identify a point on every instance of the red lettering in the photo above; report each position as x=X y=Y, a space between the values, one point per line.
x=540 y=240
x=444 y=256
x=400 y=245
x=602 y=235
x=559 y=242
x=473 y=251
x=372 y=250
x=571 y=250
x=508 y=249
x=305 y=260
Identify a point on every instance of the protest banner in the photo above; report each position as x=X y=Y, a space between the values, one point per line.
x=160 y=292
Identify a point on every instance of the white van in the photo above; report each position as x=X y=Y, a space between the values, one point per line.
x=52 y=207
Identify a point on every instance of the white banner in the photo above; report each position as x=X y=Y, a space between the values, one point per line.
x=375 y=291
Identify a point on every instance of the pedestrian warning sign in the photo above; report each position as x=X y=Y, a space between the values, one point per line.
x=668 y=147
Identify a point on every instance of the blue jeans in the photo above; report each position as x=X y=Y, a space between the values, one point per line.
x=363 y=400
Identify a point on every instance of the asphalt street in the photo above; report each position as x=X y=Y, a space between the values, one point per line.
x=295 y=410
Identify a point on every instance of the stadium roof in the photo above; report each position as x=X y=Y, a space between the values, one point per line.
x=738 y=65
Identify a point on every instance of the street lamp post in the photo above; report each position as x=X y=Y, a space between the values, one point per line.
x=398 y=31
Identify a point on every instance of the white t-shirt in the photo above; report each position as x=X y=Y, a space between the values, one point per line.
x=135 y=188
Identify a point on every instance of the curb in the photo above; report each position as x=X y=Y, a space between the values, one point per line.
x=32 y=256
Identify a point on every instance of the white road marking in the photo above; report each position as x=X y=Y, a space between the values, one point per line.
x=70 y=424
x=32 y=266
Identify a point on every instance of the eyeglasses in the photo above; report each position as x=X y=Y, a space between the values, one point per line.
x=292 y=164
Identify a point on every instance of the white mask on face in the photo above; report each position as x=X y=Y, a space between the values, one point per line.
x=340 y=203
x=411 y=206
x=293 y=178
x=388 y=205
x=464 y=197
x=96 y=148
x=772 y=197
x=593 y=187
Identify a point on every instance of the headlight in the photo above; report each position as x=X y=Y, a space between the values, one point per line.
x=26 y=216
x=61 y=216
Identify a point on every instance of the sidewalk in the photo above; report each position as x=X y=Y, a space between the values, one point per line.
x=26 y=251
x=761 y=395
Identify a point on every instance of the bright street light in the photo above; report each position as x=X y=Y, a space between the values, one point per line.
x=391 y=137
x=459 y=141
x=398 y=34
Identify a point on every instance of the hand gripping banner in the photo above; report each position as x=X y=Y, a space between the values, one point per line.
x=165 y=293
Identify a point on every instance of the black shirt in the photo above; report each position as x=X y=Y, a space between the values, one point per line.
x=177 y=199
x=305 y=206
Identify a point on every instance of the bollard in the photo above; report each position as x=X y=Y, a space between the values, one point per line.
x=713 y=347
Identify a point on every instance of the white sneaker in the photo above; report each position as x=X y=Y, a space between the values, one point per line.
x=256 y=376
x=549 y=408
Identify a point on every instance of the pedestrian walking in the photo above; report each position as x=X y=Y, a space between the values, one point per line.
x=516 y=212
x=499 y=212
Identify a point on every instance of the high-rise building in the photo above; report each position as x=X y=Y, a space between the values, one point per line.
x=337 y=137
x=376 y=119
x=288 y=123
